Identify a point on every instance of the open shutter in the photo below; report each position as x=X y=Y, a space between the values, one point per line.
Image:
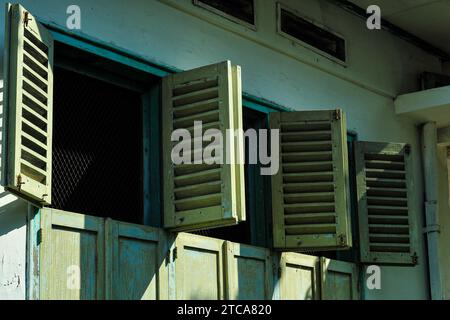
x=384 y=183
x=28 y=98
x=309 y=192
x=200 y=196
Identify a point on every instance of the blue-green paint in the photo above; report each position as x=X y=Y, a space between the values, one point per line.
x=109 y=51
x=152 y=158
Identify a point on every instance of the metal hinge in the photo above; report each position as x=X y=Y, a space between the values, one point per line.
x=337 y=114
x=19 y=182
x=407 y=149
x=415 y=258
x=342 y=239
x=26 y=18
x=174 y=254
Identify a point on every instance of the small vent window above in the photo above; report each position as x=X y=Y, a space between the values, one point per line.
x=243 y=10
x=293 y=26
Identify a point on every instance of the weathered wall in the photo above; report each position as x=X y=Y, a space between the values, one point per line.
x=13 y=215
x=380 y=66
x=444 y=217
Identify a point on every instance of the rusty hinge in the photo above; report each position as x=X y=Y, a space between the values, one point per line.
x=415 y=258
x=174 y=254
x=408 y=149
x=342 y=239
x=19 y=182
x=337 y=114
x=26 y=18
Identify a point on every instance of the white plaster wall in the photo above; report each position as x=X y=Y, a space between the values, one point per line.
x=380 y=66
x=13 y=213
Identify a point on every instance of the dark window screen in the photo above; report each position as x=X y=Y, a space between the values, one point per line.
x=242 y=9
x=97 y=148
x=313 y=35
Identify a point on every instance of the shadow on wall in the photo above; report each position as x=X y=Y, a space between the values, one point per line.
x=8 y=201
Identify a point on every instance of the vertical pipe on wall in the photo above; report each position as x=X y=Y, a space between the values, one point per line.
x=430 y=170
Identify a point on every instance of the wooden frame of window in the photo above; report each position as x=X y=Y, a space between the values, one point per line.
x=281 y=6
x=227 y=16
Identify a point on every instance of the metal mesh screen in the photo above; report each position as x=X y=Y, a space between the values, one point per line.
x=97 y=148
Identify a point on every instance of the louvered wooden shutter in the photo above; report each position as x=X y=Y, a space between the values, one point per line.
x=384 y=183
x=27 y=129
x=309 y=192
x=200 y=196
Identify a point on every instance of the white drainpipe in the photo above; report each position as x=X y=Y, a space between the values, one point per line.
x=430 y=171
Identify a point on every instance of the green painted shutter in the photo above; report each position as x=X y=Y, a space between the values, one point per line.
x=200 y=196
x=384 y=183
x=309 y=192
x=28 y=100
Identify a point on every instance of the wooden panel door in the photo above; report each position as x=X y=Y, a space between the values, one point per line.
x=135 y=262
x=298 y=277
x=71 y=256
x=339 y=280
x=249 y=272
x=198 y=267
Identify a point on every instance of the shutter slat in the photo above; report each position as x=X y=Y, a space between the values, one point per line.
x=184 y=169
x=34 y=140
x=29 y=164
x=306 y=229
x=305 y=136
x=306 y=146
x=41 y=93
x=193 y=97
x=309 y=218
x=390 y=192
x=195 y=108
x=308 y=167
x=380 y=209
x=43 y=82
x=206 y=117
x=37 y=102
x=308 y=177
x=35 y=65
x=307 y=156
x=34 y=153
x=308 y=186
x=203 y=201
x=385 y=183
x=310 y=197
x=205 y=126
x=198 y=177
x=197 y=190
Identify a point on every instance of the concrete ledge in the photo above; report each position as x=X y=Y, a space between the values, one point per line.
x=426 y=105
